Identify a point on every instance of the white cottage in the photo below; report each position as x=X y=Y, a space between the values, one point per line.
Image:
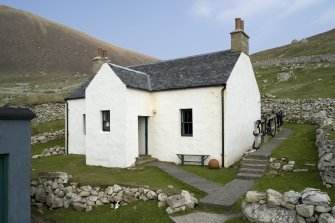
x=205 y=105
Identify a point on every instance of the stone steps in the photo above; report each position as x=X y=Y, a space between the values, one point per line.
x=254 y=161
x=143 y=159
x=251 y=170
x=253 y=166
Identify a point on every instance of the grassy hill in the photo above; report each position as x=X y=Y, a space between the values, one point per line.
x=306 y=79
x=43 y=59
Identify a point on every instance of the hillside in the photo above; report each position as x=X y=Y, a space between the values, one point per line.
x=36 y=52
x=302 y=69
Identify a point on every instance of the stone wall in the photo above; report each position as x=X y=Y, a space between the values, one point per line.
x=310 y=205
x=47 y=136
x=326 y=164
x=313 y=111
x=48 y=112
x=295 y=60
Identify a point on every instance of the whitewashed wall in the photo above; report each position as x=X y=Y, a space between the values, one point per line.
x=106 y=92
x=76 y=139
x=242 y=108
x=165 y=139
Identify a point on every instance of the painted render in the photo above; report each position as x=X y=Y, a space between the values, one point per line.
x=120 y=146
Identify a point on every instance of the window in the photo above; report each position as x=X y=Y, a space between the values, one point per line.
x=186 y=122
x=84 y=124
x=105 y=121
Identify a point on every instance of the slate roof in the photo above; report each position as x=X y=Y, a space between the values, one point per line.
x=9 y=113
x=212 y=69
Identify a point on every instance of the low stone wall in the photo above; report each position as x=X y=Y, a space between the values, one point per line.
x=310 y=205
x=295 y=60
x=57 y=150
x=312 y=111
x=48 y=136
x=55 y=191
x=48 y=112
x=326 y=164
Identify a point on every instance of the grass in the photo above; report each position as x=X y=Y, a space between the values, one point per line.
x=38 y=148
x=220 y=176
x=331 y=130
x=307 y=83
x=50 y=126
x=300 y=147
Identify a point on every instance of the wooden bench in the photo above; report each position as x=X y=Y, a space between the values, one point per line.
x=201 y=161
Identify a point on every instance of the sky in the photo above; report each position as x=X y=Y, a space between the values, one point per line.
x=168 y=29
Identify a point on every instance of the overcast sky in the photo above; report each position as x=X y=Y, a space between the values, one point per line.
x=169 y=29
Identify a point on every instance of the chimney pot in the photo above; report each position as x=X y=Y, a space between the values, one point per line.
x=104 y=53
x=242 y=25
x=237 y=23
x=99 y=52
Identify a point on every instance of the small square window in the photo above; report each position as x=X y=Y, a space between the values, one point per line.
x=186 y=122
x=106 y=121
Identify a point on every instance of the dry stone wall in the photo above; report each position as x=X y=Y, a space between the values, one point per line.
x=326 y=164
x=295 y=60
x=48 y=112
x=312 y=111
x=310 y=205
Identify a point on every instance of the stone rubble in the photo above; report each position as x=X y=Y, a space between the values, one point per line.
x=310 y=205
x=326 y=164
x=46 y=137
x=54 y=191
x=57 y=150
x=48 y=112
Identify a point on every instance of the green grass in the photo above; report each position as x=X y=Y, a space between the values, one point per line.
x=300 y=147
x=307 y=83
x=220 y=176
x=330 y=129
x=50 y=126
x=38 y=148
x=146 y=212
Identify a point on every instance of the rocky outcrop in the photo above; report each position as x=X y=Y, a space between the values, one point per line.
x=295 y=60
x=55 y=191
x=48 y=136
x=57 y=150
x=310 y=205
x=326 y=150
x=312 y=111
x=48 y=112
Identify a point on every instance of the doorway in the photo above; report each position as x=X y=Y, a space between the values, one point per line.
x=3 y=188
x=142 y=135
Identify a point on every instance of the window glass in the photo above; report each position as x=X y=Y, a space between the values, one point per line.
x=106 y=121
x=186 y=122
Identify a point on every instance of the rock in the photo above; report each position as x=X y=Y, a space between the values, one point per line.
x=58 y=203
x=169 y=210
x=109 y=190
x=162 y=197
x=288 y=167
x=84 y=194
x=256 y=212
x=128 y=199
x=142 y=197
x=175 y=201
x=68 y=189
x=188 y=198
x=300 y=219
x=326 y=218
x=116 y=188
x=333 y=211
x=322 y=209
x=287 y=205
x=104 y=200
x=300 y=170
x=75 y=198
x=292 y=162
x=54 y=185
x=86 y=188
x=32 y=191
x=284 y=76
x=63 y=176
x=40 y=195
x=254 y=196
x=78 y=206
x=274 y=198
x=93 y=198
x=88 y=208
x=151 y=195
x=291 y=197
x=275 y=165
x=305 y=210
x=315 y=197
x=50 y=199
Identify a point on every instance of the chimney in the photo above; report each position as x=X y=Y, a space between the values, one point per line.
x=239 y=39
x=99 y=60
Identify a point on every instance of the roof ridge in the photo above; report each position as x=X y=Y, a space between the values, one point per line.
x=180 y=58
x=129 y=69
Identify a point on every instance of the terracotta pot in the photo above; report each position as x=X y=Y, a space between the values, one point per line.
x=213 y=164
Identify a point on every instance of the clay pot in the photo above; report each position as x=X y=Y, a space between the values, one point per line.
x=213 y=164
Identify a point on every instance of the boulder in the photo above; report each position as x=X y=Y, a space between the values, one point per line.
x=261 y=213
x=305 y=210
x=333 y=211
x=50 y=199
x=58 y=203
x=63 y=176
x=84 y=194
x=275 y=166
x=274 y=198
x=86 y=188
x=322 y=209
x=326 y=218
x=313 y=196
x=40 y=195
x=254 y=196
x=288 y=167
x=78 y=206
x=291 y=197
x=116 y=188
x=175 y=201
x=151 y=195
x=162 y=197
x=188 y=198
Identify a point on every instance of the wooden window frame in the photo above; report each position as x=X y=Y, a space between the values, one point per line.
x=188 y=115
x=105 y=117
